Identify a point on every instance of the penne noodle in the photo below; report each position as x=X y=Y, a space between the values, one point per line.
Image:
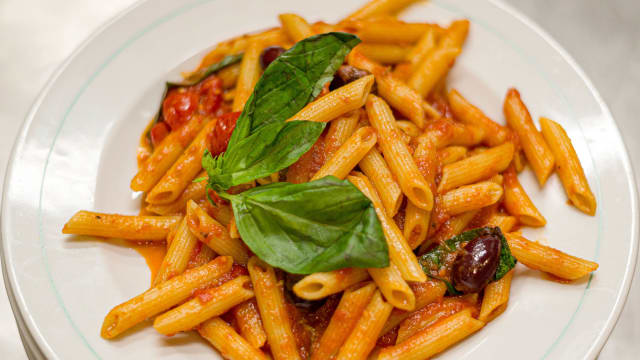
x=338 y=102
x=178 y=254
x=387 y=31
x=183 y=171
x=456 y=34
x=210 y=303
x=429 y=315
x=426 y=292
x=166 y=153
x=385 y=53
x=215 y=235
x=518 y=203
x=228 y=342
x=471 y=197
x=322 y=284
x=397 y=155
x=147 y=228
x=496 y=297
x=548 y=259
x=495 y=134
x=349 y=154
x=398 y=94
x=162 y=297
x=435 y=338
x=295 y=27
x=249 y=323
x=445 y=132
x=196 y=190
x=200 y=256
x=432 y=68
x=393 y=287
x=352 y=305
x=505 y=222
x=451 y=154
x=452 y=227
x=476 y=167
x=271 y=304
x=249 y=75
x=376 y=169
x=425 y=44
x=535 y=148
x=399 y=251
x=408 y=128
x=568 y=167
x=417 y=221
x=376 y=8
x=340 y=130
x=229 y=77
x=363 y=337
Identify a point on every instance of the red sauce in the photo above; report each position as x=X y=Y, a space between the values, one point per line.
x=218 y=139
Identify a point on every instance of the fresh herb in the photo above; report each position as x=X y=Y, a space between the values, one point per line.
x=437 y=262
x=293 y=80
x=261 y=143
x=322 y=225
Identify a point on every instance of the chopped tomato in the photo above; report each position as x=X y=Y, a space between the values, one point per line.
x=158 y=132
x=219 y=137
x=210 y=91
x=178 y=107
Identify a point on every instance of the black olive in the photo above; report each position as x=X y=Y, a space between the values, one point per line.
x=477 y=264
x=345 y=75
x=269 y=54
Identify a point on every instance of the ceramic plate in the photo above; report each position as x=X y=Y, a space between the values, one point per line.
x=77 y=151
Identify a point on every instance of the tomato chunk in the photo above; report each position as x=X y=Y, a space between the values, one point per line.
x=210 y=92
x=158 y=132
x=219 y=137
x=178 y=107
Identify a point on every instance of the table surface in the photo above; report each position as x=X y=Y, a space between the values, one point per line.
x=602 y=36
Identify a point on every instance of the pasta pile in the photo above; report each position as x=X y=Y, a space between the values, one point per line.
x=426 y=165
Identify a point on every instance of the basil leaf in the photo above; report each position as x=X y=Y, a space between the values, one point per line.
x=193 y=79
x=322 y=225
x=438 y=261
x=292 y=80
x=270 y=149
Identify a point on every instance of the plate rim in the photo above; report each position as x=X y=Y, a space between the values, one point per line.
x=9 y=276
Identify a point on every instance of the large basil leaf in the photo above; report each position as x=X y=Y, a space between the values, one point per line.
x=322 y=225
x=293 y=80
x=270 y=149
x=436 y=263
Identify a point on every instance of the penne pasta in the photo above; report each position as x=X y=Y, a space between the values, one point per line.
x=548 y=259
x=338 y=102
x=215 y=235
x=352 y=305
x=476 y=167
x=205 y=305
x=393 y=287
x=349 y=154
x=451 y=154
x=196 y=190
x=505 y=222
x=471 y=197
x=518 y=203
x=385 y=53
x=496 y=297
x=166 y=153
x=379 y=7
x=340 y=130
x=226 y=340
x=427 y=41
x=178 y=254
x=183 y=171
x=147 y=228
x=535 y=148
x=376 y=169
x=456 y=34
x=271 y=304
x=399 y=251
x=295 y=27
x=418 y=221
x=363 y=337
x=249 y=75
x=397 y=155
x=322 y=284
x=432 y=68
x=568 y=166
x=249 y=323
x=426 y=292
x=495 y=134
x=434 y=339
x=162 y=297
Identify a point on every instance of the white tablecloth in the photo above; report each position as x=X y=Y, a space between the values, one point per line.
x=603 y=36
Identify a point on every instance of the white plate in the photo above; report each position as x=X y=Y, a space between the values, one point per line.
x=76 y=151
